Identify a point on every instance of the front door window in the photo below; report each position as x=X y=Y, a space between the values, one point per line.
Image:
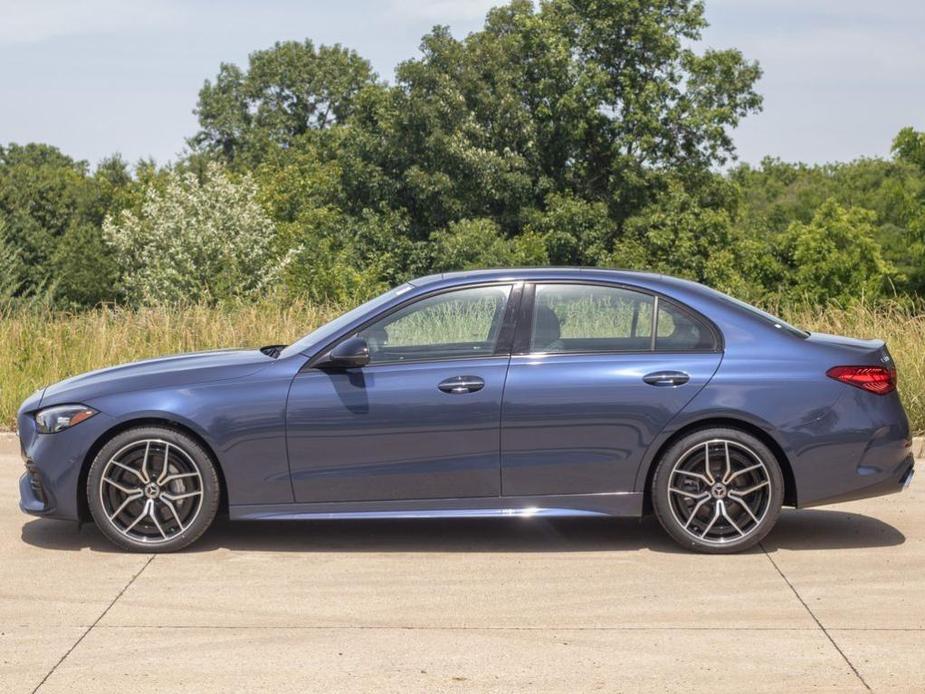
x=459 y=324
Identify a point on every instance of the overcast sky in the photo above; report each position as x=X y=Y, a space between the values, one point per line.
x=94 y=77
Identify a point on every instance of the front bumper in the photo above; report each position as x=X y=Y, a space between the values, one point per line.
x=33 y=498
x=50 y=485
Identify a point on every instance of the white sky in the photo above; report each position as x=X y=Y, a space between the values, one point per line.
x=94 y=77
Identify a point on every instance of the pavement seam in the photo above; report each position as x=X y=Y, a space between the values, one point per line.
x=95 y=622
x=348 y=627
x=815 y=618
x=358 y=627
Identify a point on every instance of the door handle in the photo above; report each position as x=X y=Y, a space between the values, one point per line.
x=461 y=384
x=666 y=378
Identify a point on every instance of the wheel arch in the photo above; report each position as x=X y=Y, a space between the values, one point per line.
x=790 y=491
x=83 y=509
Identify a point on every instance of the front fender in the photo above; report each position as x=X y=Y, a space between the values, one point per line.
x=241 y=421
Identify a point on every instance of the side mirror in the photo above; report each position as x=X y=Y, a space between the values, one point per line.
x=349 y=354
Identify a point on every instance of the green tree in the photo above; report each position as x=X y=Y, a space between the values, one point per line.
x=10 y=264
x=343 y=258
x=678 y=235
x=86 y=271
x=909 y=145
x=42 y=194
x=53 y=208
x=287 y=91
x=586 y=97
x=574 y=231
x=776 y=194
x=558 y=122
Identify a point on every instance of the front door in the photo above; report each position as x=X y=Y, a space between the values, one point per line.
x=591 y=388
x=422 y=420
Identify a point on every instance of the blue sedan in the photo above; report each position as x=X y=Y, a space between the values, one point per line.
x=539 y=392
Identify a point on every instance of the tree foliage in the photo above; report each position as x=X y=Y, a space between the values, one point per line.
x=588 y=98
x=287 y=91
x=834 y=256
x=10 y=262
x=909 y=146
x=680 y=235
x=48 y=199
x=569 y=132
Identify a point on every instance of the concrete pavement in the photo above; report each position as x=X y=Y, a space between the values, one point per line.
x=834 y=600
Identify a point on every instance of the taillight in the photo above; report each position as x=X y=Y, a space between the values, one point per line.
x=875 y=379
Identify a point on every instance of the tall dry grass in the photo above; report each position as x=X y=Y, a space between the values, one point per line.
x=40 y=345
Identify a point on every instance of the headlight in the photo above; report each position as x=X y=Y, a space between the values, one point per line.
x=60 y=417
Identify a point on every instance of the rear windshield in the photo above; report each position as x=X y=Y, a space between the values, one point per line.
x=778 y=323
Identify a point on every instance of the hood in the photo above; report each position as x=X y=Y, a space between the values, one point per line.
x=161 y=372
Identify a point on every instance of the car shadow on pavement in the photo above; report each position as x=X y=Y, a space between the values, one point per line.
x=830 y=529
x=814 y=529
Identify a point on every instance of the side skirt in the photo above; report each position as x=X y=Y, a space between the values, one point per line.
x=626 y=504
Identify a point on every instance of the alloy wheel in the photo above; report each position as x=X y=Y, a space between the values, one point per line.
x=151 y=491
x=719 y=491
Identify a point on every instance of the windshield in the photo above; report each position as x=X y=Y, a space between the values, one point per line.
x=328 y=330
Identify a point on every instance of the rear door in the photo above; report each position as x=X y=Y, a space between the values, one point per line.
x=597 y=372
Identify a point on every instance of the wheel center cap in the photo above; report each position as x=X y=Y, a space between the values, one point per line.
x=152 y=491
x=718 y=491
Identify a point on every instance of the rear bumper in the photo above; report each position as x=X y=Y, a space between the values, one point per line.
x=860 y=447
x=893 y=481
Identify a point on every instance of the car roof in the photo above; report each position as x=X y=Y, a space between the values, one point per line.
x=522 y=273
x=649 y=280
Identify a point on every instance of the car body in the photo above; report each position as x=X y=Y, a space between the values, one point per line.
x=565 y=408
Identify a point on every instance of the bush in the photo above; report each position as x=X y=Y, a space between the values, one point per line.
x=834 y=257
x=195 y=241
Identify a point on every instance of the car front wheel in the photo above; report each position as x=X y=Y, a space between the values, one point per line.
x=153 y=489
x=718 y=491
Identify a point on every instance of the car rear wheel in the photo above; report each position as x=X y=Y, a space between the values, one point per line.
x=153 y=489
x=718 y=491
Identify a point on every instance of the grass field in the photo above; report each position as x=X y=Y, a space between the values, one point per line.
x=39 y=346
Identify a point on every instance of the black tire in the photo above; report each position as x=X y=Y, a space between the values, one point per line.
x=700 y=510
x=177 y=503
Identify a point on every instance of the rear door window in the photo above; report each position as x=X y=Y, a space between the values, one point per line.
x=573 y=318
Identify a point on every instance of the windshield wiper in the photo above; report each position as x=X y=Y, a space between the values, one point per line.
x=273 y=350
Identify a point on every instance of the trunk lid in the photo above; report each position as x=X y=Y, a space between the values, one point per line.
x=851 y=350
